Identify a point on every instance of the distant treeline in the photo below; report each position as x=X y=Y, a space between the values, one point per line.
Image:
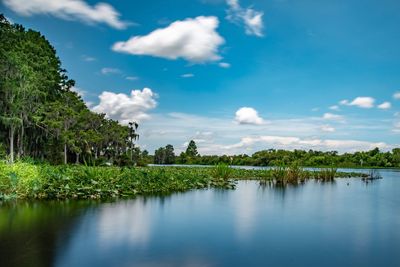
x=41 y=117
x=273 y=157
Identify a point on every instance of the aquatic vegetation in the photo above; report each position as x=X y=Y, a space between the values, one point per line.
x=222 y=171
x=326 y=174
x=372 y=175
x=29 y=181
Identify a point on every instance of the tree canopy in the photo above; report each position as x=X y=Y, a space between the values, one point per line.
x=42 y=117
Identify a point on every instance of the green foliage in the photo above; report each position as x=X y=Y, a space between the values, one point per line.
x=311 y=158
x=222 y=171
x=191 y=150
x=164 y=155
x=40 y=114
x=3 y=152
x=29 y=181
x=326 y=174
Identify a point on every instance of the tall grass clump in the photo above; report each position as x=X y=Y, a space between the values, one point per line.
x=326 y=174
x=221 y=174
x=282 y=176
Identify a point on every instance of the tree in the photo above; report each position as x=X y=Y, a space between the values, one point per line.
x=169 y=154
x=159 y=156
x=191 y=150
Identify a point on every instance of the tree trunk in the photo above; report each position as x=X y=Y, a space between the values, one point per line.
x=12 y=129
x=77 y=158
x=65 y=153
x=21 y=141
x=18 y=142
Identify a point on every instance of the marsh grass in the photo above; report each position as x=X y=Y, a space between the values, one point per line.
x=326 y=174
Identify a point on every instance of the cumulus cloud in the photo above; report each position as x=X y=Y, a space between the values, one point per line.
x=126 y=108
x=331 y=116
x=385 y=105
x=361 y=101
x=224 y=65
x=69 y=10
x=250 y=18
x=107 y=71
x=246 y=115
x=193 y=39
x=396 y=95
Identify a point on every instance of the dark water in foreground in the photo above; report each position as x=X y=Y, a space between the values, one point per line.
x=316 y=224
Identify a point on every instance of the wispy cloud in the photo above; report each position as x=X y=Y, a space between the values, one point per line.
x=225 y=134
x=332 y=116
x=187 y=75
x=250 y=18
x=327 y=128
x=334 y=107
x=107 y=71
x=224 y=65
x=88 y=58
x=385 y=105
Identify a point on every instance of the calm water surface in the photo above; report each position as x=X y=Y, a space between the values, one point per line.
x=316 y=224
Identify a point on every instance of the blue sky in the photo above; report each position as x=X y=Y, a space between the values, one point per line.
x=236 y=76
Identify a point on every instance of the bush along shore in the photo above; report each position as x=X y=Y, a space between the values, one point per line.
x=29 y=181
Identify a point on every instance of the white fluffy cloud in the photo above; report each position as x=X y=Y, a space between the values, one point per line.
x=385 y=105
x=126 y=108
x=69 y=10
x=246 y=115
x=252 y=19
x=396 y=95
x=193 y=39
x=361 y=101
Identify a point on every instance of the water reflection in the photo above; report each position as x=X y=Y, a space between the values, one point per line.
x=31 y=232
x=245 y=202
x=132 y=216
x=342 y=223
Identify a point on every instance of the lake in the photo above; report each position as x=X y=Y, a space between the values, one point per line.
x=344 y=223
